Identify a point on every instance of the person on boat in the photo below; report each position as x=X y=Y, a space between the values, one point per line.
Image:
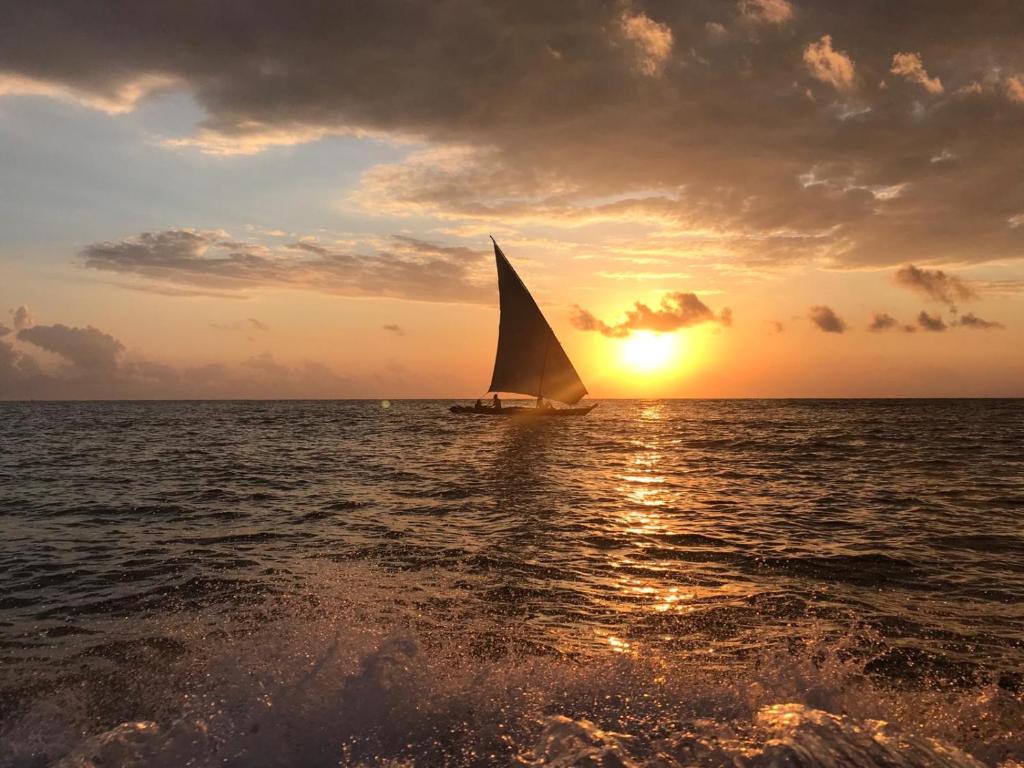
x=478 y=406
x=496 y=402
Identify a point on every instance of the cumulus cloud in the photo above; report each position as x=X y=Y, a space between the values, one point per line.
x=22 y=318
x=826 y=319
x=676 y=311
x=935 y=284
x=402 y=267
x=970 y=320
x=766 y=11
x=931 y=322
x=87 y=348
x=909 y=65
x=653 y=41
x=829 y=65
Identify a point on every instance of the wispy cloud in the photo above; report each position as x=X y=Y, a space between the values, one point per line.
x=401 y=267
x=935 y=284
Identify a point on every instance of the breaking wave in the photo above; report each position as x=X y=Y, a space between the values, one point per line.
x=344 y=686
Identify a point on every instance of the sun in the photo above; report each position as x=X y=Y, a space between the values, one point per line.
x=649 y=352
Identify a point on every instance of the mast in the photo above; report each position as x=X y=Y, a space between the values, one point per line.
x=543 y=368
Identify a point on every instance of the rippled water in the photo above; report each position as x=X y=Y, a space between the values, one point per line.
x=690 y=582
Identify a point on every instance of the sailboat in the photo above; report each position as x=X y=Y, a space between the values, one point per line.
x=529 y=360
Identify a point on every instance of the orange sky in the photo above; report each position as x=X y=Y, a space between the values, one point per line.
x=303 y=210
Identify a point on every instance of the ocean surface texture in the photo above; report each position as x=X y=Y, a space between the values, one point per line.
x=664 y=583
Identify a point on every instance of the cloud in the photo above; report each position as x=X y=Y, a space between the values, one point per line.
x=1015 y=88
x=653 y=41
x=96 y=366
x=909 y=65
x=970 y=320
x=776 y=326
x=259 y=325
x=22 y=317
x=931 y=322
x=882 y=321
x=766 y=11
x=676 y=311
x=87 y=348
x=4 y=330
x=935 y=284
x=538 y=115
x=829 y=65
x=114 y=100
x=826 y=319
x=185 y=259
x=393 y=328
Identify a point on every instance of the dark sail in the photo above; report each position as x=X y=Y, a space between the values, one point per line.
x=529 y=360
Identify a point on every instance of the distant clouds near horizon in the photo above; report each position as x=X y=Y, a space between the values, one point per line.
x=654 y=166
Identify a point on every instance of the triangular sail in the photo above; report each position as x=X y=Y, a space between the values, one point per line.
x=529 y=360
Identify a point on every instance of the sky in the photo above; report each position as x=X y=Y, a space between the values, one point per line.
x=761 y=198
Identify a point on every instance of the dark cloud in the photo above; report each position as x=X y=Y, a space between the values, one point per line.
x=756 y=131
x=87 y=348
x=395 y=329
x=882 y=321
x=402 y=267
x=776 y=326
x=826 y=319
x=931 y=322
x=970 y=320
x=935 y=284
x=677 y=310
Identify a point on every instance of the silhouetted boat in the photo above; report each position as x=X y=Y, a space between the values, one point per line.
x=529 y=359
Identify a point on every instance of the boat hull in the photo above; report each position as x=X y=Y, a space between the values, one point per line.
x=525 y=413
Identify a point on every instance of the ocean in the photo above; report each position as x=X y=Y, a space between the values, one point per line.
x=663 y=583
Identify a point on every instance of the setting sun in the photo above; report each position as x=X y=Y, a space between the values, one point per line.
x=649 y=352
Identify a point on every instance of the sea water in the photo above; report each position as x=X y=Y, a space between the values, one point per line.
x=666 y=583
